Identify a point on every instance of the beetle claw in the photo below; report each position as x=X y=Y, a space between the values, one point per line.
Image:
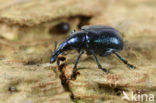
x=105 y=70
x=73 y=76
x=131 y=66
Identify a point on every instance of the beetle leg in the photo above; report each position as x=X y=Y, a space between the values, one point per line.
x=124 y=61
x=75 y=66
x=98 y=63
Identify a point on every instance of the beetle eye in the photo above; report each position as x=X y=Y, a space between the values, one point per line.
x=61 y=28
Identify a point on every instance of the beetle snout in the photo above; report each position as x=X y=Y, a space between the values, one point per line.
x=52 y=59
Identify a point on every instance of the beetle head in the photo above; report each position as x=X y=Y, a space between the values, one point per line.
x=62 y=47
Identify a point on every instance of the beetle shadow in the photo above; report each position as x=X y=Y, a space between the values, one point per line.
x=109 y=70
x=81 y=68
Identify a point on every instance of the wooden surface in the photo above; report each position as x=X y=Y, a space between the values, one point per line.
x=26 y=76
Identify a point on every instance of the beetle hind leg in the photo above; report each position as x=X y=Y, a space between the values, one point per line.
x=124 y=61
x=106 y=52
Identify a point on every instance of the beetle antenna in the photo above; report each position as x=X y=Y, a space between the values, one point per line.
x=55 y=45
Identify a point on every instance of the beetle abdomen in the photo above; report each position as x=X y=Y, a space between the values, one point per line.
x=104 y=39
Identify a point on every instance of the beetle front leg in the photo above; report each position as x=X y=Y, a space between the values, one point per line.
x=75 y=66
x=98 y=63
x=124 y=61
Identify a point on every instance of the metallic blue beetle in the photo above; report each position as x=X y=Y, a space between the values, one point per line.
x=100 y=40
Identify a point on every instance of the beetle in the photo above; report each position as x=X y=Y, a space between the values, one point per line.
x=95 y=40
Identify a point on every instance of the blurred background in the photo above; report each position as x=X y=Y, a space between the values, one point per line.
x=28 y=29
